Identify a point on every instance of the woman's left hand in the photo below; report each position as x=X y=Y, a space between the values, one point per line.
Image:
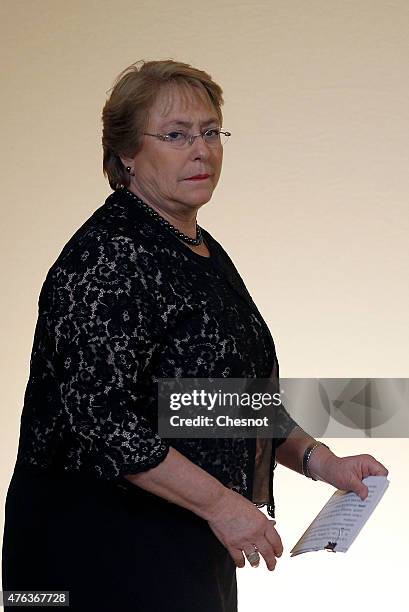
x=346 y=473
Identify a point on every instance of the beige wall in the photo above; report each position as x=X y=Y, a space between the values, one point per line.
x=312 y=207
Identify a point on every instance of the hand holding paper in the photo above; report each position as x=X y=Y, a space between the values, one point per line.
x=337 y=525
x=347 y=473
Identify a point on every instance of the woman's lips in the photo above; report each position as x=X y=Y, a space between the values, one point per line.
x=198 y=177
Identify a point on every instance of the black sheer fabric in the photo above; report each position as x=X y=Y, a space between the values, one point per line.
x=127 y=303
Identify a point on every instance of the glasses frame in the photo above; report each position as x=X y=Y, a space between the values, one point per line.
x=191 y=137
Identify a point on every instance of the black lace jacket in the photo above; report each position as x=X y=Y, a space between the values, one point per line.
x=126 y=303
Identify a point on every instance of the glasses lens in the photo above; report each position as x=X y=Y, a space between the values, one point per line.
x=214 y=137
x=177 y=140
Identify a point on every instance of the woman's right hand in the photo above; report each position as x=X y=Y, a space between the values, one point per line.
x=239 y=525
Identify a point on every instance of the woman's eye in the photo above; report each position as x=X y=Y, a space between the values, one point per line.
x=176 y=135
x=212 y=133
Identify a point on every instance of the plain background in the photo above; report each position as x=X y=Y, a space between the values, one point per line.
x=312 y=206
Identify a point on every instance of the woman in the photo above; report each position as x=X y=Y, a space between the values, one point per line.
x=99 y=505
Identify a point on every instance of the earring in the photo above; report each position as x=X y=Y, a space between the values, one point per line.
x=128 y=169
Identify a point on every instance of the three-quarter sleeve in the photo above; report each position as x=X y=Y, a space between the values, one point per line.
x=283 y=422
x=107 y=332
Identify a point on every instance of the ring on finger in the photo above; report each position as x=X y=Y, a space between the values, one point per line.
x=253 y=557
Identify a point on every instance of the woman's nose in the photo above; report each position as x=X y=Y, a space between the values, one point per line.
x=199 y=148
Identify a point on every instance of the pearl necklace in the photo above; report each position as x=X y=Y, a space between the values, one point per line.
x=194 y=241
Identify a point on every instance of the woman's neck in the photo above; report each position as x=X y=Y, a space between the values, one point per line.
x=184 y=220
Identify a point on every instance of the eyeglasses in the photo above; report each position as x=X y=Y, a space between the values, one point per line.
x=178 y=140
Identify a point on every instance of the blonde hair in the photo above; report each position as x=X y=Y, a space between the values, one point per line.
x=126 y=112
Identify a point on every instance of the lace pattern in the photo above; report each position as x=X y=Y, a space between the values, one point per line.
x=127 y=303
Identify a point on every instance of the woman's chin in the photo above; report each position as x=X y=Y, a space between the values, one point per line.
x=198 y=195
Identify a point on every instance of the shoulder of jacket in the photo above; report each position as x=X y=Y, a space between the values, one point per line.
x=99 y=244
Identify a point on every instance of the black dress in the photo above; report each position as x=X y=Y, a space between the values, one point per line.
x=127 y=303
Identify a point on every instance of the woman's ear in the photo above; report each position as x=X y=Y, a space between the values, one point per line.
x=127 y=161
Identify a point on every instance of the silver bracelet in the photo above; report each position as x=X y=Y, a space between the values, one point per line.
x=308 y=452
